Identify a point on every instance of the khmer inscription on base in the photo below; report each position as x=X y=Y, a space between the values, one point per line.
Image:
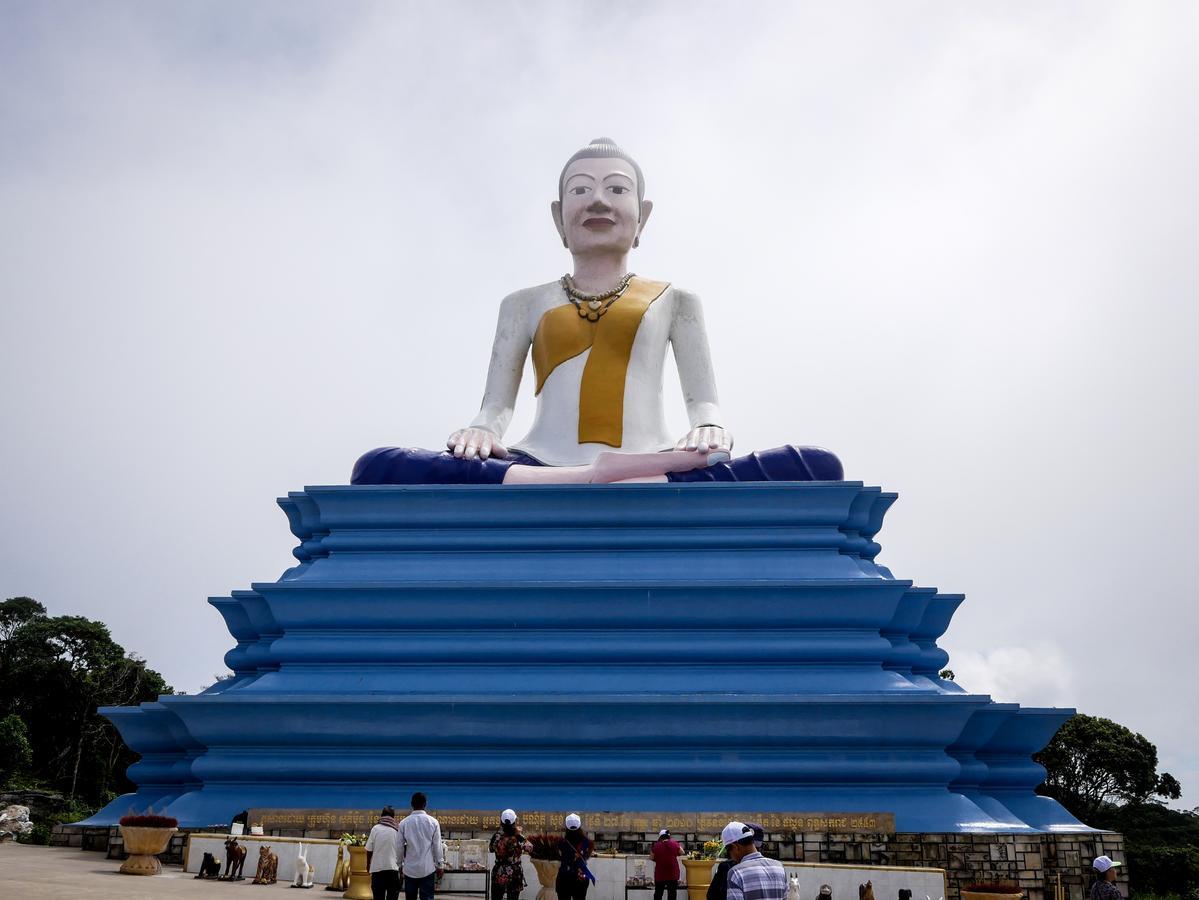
x=358 y=820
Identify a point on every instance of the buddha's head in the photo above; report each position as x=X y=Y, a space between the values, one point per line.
x=601 y=205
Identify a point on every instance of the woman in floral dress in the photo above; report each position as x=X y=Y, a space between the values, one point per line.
x=508 y=844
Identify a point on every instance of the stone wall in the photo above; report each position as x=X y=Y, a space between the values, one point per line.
x=107 y=839
x=1032 y=861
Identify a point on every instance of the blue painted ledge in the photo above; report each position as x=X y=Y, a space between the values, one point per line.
x=689 y=647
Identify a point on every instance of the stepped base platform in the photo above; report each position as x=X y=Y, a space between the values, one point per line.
x=689 y=647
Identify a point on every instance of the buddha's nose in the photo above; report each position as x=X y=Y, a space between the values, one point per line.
x=598 y=205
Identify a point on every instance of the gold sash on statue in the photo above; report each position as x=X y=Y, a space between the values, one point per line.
x=563 y=334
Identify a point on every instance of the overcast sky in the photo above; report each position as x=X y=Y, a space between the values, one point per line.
x=955 y=242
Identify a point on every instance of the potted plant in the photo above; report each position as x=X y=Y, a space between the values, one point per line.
x=699 y=865
x=546 y=858
x=145 y=836
x=991 y=891
x=360 y=876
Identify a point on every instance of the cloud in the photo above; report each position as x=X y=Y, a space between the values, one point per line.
x=1037 y=674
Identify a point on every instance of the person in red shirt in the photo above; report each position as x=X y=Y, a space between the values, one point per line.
x=666 y=852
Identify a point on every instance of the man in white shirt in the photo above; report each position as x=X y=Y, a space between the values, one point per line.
x=383 y=857
x=420 y=850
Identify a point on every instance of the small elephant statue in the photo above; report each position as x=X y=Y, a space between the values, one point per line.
x=866 y=891
x=793 y=887
x=268 y=866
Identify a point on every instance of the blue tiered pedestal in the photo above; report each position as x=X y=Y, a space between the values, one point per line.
x=697 y=647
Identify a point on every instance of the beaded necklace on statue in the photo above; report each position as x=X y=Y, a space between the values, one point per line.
x=593 y=306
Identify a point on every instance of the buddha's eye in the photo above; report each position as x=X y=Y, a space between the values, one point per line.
x=578 y=189
x=618 y=189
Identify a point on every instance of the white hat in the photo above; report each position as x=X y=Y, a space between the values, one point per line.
x=735 y=831
x=573 y=821
x=664 y=832
x=1103 y=863
x=508 y=816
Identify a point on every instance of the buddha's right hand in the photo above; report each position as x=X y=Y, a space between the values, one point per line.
x=468 y=443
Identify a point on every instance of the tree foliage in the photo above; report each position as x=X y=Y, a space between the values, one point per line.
x=54 y=673
x=1162 y=846
x=15 y=612
x=15 y=752
x=1107 y=775
x=1093 y=761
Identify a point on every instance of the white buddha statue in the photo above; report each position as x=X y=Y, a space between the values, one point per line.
x=598 y=337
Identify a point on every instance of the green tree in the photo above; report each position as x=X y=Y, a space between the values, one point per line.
x=15 y=612
x=1162 y=846
x=15 y=752
x=1092 y=762
x=54 y=673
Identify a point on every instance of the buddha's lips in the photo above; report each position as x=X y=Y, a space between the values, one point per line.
x=596 y=222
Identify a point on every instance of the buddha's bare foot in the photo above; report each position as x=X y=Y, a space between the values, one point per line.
x=609 y=466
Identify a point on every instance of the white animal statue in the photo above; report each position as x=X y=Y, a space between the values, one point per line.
x=793 y=887
x=304 y=871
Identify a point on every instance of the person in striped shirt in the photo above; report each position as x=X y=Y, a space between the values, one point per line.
x=751 y=876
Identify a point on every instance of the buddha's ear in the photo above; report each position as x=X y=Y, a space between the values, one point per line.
x=647 y=207
x=556 y=212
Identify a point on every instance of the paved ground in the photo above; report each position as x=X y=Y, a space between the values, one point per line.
x=60 y=872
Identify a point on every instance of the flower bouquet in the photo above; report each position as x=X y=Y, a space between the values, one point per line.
x=709 y=850
x=546 y=857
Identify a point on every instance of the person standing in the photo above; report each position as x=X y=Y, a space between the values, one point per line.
x=574 y=848
x=1105 y=874
x=751 y=875
x=383 y=858
x=666 y=852
x=719 y=888
x=420 y=850
x=508 y=875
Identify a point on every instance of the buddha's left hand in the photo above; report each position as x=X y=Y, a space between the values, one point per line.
x=472 y=441
x=710 y=437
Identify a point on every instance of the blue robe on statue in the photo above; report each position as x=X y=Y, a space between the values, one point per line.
x=403 y=465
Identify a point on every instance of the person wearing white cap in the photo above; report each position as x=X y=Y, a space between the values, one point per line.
x=574 y=847
x=508 y=875
x=666 y=852
x=1105 y=873
x=751 y=875
x=719 y=888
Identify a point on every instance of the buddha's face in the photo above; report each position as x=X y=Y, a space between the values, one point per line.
x=599 y=210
